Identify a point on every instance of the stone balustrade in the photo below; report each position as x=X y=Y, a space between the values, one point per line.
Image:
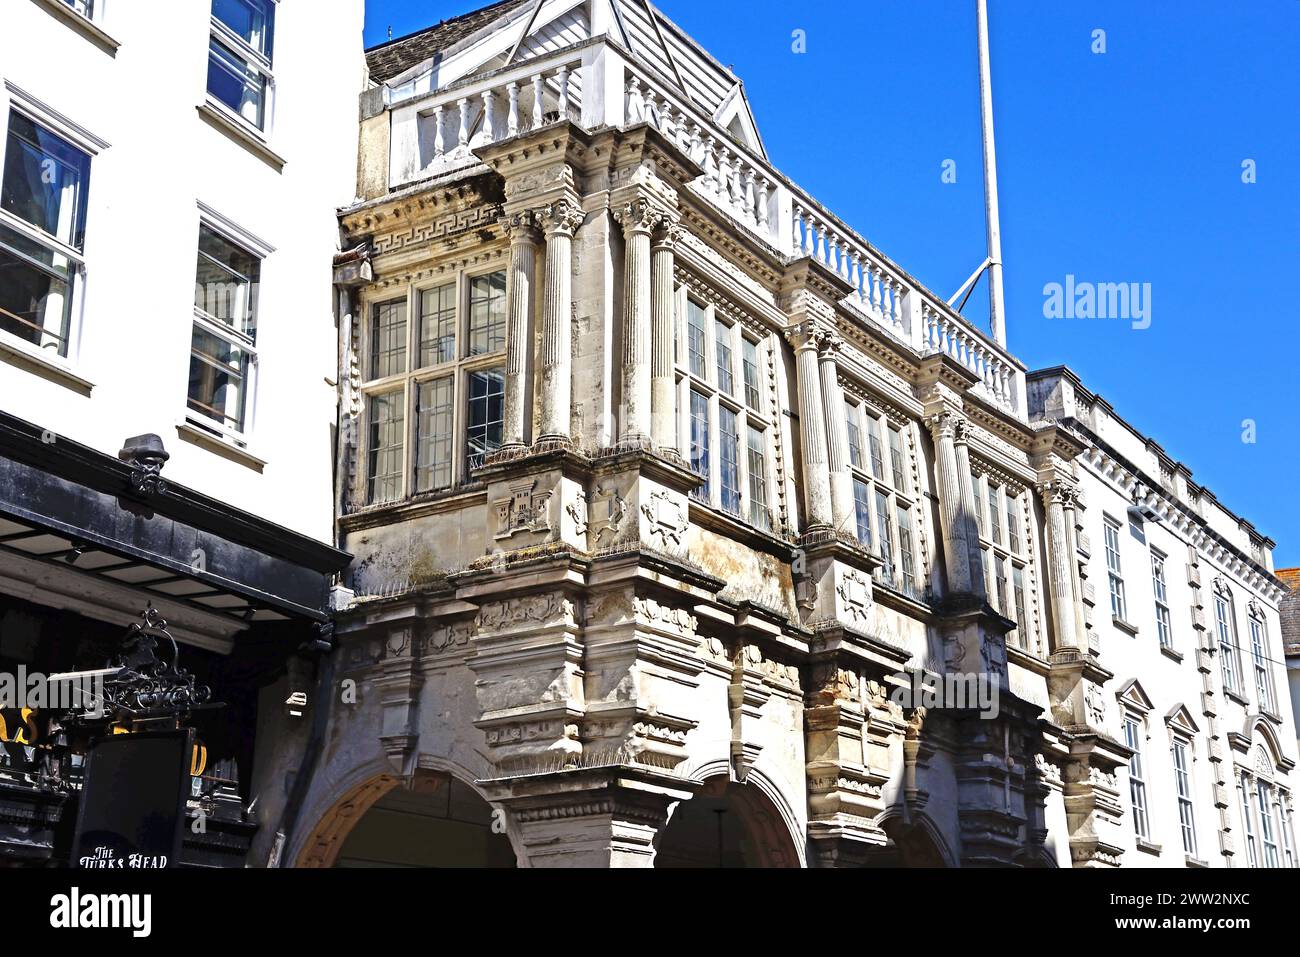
x=451 y=124
x=944 y=333
x=733 y=179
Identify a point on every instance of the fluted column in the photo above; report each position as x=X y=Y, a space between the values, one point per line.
x=1060 y=582
x=816 y=469
x=560 y=221
x=952 y=519
x=663 y=381
x=969 y=507
x=1070 y=507
x=637 y=219
x=837 y=436
x=519 y=344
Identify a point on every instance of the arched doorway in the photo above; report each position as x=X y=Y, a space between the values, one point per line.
x=726 y=825
x=444 y=823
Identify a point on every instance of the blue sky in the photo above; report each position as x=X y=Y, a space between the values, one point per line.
x=1122 y=166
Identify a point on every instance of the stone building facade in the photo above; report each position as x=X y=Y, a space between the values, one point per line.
x=690 y=529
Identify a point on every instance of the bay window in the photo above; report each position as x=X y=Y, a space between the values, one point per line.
x=883 y=502
x=724 y=419
x=999 y=518
x=433 y=360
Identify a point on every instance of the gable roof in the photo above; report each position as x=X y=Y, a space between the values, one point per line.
x=394 y=57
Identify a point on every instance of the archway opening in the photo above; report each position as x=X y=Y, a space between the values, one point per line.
x=446 y=826
x=726 y=825
x=910 y=845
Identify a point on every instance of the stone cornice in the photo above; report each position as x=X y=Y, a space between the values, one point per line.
x=805 y=278
x=642 y=147
x=1114 y=469
x=537 y=164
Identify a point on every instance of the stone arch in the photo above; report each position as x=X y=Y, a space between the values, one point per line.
x=761 y=814
x=346 y=804
x=1262 y=734
x=916 y=842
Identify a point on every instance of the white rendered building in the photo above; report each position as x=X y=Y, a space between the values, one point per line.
x=167 y=351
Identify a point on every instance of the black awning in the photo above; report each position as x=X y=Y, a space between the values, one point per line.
x=65 y=503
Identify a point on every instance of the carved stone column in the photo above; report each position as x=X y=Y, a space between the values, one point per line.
x=519 y=341
x=663 y=382
x=837 y=437
x=637 y=219
x=595 y=819
x=952 y=518
x=560 y=220
x=1072 y=507
x=970 y=507
x=1060 y=581
x=816 y=469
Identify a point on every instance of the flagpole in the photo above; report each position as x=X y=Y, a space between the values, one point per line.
x=997 y=309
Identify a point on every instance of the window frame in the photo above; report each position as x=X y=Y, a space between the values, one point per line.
x=1001 y=558
x=1111 y=529
x=1160 y=598
x=263 y=62
x=414 y=375
x=1139 y=799
x=1265 y=689
x=703 y=380
x=874 y=471
x=1227 y=640
x=1182 y=758
x=17 y=100
x=230 y=231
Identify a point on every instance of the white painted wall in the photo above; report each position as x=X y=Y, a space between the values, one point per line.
x=142 y=232
x=1170 y=682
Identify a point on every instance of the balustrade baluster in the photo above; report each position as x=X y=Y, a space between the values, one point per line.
x=488 y=127
x=462 y=138
x=512 y=117
x=562 y=77
x=764 y=197
x=439 y=144
x=635 y=104
x=539 y=100
x=710 y=166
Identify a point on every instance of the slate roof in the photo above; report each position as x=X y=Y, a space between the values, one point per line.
x=389 y=59
x=1290 y=607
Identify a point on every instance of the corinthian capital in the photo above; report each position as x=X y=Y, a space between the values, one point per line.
x=667 y=232
x=561 y=217
x=805 y=334
x=829 y=343
x=947 y=425
x=1058 y=492
x=521 y=226
x=637 y=216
